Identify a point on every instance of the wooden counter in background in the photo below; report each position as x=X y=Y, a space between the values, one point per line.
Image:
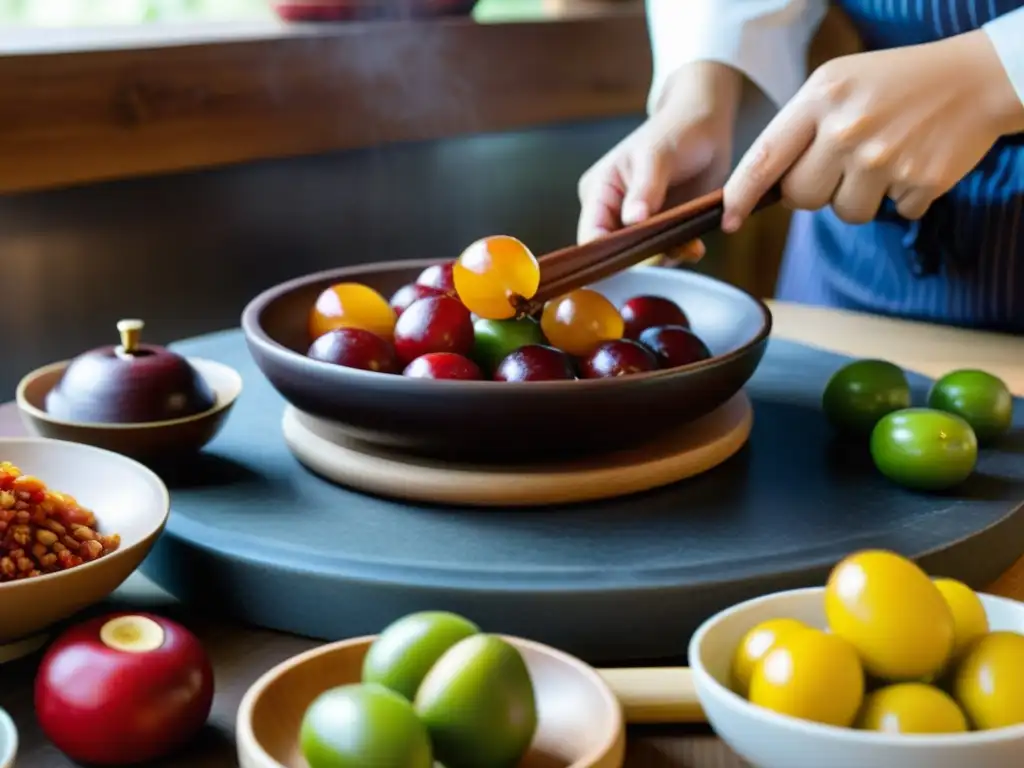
x=86 y=105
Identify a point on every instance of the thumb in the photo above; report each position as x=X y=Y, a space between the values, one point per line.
x=647 y=187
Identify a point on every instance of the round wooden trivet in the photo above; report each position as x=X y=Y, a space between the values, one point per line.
x=698 y=447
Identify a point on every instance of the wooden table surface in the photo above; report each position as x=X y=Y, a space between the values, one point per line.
x=240 y=654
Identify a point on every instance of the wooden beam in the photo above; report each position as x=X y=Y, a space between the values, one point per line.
x=70 y=117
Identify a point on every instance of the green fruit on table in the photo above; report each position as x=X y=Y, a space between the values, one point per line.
x=494 y=340
x=355 y=726
x=478 y=704
x=862 y=392
x=924 y=449
x=979 y=398
x=405 y=651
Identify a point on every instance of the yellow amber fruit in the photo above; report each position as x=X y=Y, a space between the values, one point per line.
x=351 y=305
x=580 y=321
x=491 y=272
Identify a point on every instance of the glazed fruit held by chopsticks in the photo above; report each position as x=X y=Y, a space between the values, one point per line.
x=493 y=271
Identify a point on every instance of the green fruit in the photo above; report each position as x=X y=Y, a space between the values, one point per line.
x=405 y=651
x=862 y=392
x=494 y=340
x=478 y=704
x=924 y=449
x=356 y=726
x=979 y=398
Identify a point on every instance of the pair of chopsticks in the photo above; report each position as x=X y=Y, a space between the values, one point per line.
x=577 y=266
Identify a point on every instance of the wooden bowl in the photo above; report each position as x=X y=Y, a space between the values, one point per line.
x=580 y=723
x=501 y=420
x=126 y=497
x=148 y=441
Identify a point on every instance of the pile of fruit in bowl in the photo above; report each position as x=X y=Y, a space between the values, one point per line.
x=901 y=654
x=434 y=687
x=457 y=321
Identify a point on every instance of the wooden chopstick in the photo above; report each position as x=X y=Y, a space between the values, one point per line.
x=574 y=267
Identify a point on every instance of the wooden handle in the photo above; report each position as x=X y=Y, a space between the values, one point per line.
x=652 y=696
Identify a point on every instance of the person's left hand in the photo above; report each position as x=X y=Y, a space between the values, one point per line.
x=907 y=123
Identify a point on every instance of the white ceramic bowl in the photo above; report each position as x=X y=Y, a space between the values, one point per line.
x=8 y=741
x=126 y=497
x=769 y=740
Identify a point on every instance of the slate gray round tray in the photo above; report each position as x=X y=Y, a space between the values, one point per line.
x=255 y=535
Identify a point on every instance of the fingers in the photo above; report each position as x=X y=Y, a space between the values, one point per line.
x=600 y=202
x=648 y=184
x=860 y=195
x=914 y=203
x=768 y=159
x=813 y=179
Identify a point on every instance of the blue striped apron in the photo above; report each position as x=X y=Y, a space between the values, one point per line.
x=963 y=263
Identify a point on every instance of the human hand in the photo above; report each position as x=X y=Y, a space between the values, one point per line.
x=687 y=141
x=907 y=123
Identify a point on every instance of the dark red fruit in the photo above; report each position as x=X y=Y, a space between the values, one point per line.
x=674 y=345
x=535 y=362
x=407 y=294
x=439 y=276
x=443 y=365
x=355 y=348
x=617 y=358
x=433 y=324
x=643 y=312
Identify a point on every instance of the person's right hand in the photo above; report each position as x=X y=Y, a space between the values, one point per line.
x=682 y=150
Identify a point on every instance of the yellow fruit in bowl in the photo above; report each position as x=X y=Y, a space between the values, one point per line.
x=911 y=708
x=989 y=683
x=811 y=675
x=888 y=609
x=969 y=620
x=755 y=645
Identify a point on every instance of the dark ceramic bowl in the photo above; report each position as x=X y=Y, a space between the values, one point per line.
x=503 y=420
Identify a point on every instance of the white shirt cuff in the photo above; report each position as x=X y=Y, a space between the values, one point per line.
x=1007 y=36
x=766 y=40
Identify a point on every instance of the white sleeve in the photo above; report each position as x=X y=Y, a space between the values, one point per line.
x=766 y=40
x=1007 y=35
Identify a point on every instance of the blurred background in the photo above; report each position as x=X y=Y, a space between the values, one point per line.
x=170 y=159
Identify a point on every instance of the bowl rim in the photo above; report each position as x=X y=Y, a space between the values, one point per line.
x=849 y=736
x=255 y=334
x=9 y=730
x=135 y=466
x=244 y=733
x=222 y=403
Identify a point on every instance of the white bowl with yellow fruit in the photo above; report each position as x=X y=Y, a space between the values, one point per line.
x=881 y=667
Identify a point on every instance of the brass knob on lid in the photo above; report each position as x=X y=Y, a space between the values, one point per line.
x=131 y=335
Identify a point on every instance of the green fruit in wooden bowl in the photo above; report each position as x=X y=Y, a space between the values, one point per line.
x=404 y=652
x=358 y=726
x=478 y=704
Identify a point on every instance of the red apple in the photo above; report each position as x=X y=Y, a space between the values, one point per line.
x=123 y=689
